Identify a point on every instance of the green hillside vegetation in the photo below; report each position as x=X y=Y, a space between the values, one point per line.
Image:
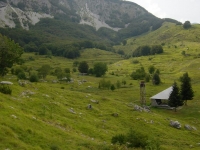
x=55 y=115
x=169 y=36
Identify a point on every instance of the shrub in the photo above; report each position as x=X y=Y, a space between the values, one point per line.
x=21 y=75
x=135 y=61
x=5 y=89
x=112 y=87
x=74 y=70
x=103 y=84
x=18 y=70
x=67 y=70
x=120 y=138
x=34 y=78
x=135 y=139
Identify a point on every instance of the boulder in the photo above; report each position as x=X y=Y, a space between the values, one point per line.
x=175 y=124
x=188 y=127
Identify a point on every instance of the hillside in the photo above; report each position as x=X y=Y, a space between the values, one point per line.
x=169 y=35
x=54 y=115
x=61 y=23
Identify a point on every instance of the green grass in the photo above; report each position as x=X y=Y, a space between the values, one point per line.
x=42 y=120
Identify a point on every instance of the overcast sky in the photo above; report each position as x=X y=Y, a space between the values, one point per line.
x=181 y=10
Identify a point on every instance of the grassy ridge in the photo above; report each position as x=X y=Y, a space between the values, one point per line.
x=45 y=116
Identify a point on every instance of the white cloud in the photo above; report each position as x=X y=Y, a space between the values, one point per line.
x=151 y=6
x=180 y=10
x=156 y=10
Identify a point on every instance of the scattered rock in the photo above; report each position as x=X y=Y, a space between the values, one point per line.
x=194 y=128
x=13 y=116
x=141 y=109
x=45 y=95
x=72 y=111
x=6 y=82
x=94 y=101
x=55 y=81
x=89 y=106
x=175 y=124
x=151 y=121
x=188 y=127
x=26 y=93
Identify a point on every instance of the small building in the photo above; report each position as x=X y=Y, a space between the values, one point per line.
x=161 y=99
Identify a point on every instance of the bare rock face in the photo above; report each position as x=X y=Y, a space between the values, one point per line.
x=113 y=14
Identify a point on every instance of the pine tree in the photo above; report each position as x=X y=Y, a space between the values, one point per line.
x=186 y=88
x=175 y=98
x=156 y=79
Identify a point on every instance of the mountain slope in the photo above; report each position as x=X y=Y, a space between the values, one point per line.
x=106 y=13
x=169 y=36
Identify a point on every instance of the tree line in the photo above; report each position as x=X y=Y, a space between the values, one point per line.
x=147 y=50
x=179 y=97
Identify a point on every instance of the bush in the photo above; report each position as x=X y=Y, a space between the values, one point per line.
x=5 y=89
x=135 y=61
x=67 y=70
x=33 y=78
x=135 y=139
x=21 y=75
x=118 y=139
x=103 y=84
x=112 y=87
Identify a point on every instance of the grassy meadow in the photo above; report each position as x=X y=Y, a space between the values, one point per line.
x=54 y=116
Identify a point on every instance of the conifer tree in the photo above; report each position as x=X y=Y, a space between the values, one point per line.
x=186 y=88
x=174 y=98
x=156 y=79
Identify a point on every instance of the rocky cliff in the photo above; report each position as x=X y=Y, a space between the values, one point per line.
x=113 y=14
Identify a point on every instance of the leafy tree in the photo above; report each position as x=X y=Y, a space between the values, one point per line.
x=100 y=69
x=138 y=74
x=186 y=88
x=156 y=49
x=44 y=71
x=121 y=52
x=175 y=98
x=147 y=50
x=10 y=53
x=156 y=79
x=43 y=50
x=147 y=78
x=151 y=69
x=187 y=25
x=83 y=67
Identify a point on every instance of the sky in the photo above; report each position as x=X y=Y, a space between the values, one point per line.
x=181 y=10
